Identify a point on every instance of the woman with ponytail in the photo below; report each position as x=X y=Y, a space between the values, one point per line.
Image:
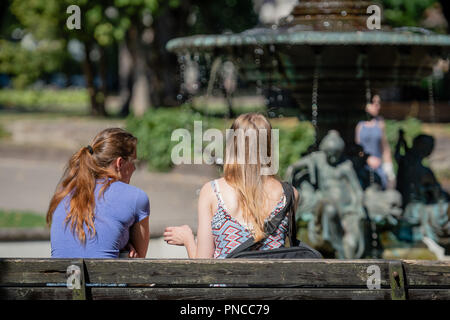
x=94 y=212
x=234 y=208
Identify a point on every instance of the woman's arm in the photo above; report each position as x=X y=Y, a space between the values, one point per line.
x=388 y=167
x=140 y=236
x=205 y=239
x=387 y=156
x=357 y=130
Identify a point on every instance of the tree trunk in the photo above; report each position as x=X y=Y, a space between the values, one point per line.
x=103 y=92
x=140 y=96
x=126 y=70
x=169 y=25
x=97 y=105
x=152 y=79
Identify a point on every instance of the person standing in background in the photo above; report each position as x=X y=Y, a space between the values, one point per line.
x=371 y=135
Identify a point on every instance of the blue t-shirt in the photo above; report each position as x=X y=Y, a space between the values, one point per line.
x=121 y=206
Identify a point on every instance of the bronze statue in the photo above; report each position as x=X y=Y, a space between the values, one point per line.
x=335 y=205
x=333 y=201
x=425 y=204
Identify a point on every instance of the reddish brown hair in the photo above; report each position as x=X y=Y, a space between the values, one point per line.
x=85 y=167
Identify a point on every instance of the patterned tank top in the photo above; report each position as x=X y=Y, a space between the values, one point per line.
x=229 y=233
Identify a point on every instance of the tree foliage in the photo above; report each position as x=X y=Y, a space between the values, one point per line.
x=400 y=13
x=107 y=23
x=27 y=65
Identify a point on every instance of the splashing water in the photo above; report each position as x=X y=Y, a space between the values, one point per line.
x=431 y=99
x=315 y=97
x=367 y=80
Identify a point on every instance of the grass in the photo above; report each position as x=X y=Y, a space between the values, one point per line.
x=46 y=100
x=21 y=219
x=3 y=132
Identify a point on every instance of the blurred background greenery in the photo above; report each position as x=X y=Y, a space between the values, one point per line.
x=21 y=219
x=120 y=39
x=118 y=60
x=35 y=44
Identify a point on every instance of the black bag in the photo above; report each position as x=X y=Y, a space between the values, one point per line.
x=297 y=250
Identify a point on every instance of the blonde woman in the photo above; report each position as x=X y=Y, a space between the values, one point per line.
x=234 y=208
x=94 y=212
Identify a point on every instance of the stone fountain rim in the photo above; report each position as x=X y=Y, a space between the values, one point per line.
x=318 y=38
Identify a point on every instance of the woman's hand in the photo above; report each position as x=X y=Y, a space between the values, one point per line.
x=373 y=162
x=132 y=251
x=179 y=236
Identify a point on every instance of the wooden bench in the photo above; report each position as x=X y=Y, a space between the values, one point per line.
x=244 y=279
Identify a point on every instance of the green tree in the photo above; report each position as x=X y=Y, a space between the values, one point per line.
x=140 y=27
x=44 y=21
x=28 y=61
x=171 y=19
x=400 y=13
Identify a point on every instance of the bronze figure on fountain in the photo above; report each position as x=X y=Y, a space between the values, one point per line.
x=425 y=203
x=334 y=202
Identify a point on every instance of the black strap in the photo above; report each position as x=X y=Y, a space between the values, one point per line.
x=292 y=221
x=271 y=225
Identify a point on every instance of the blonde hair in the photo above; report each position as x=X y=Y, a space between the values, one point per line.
x=79 y=179
x=246 y=178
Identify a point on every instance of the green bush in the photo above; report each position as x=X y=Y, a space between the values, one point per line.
x=293 y=142
x=154 y=131
x=411 y=126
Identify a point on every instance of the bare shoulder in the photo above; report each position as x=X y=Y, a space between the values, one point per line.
x=205 y=199
x=206 y=191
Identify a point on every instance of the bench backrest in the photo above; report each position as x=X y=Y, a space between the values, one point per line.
x=223 y=279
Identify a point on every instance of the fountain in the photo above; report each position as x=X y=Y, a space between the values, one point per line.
x=324 y=55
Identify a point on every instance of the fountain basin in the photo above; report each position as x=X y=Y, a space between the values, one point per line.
x=267 y=36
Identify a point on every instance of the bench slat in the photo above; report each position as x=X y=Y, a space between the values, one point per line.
x=237 y=294
x=427 y=273
x=429 y=294
x=38 y=293
x=190 y=279
x=348 y=273
x=31 y=271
